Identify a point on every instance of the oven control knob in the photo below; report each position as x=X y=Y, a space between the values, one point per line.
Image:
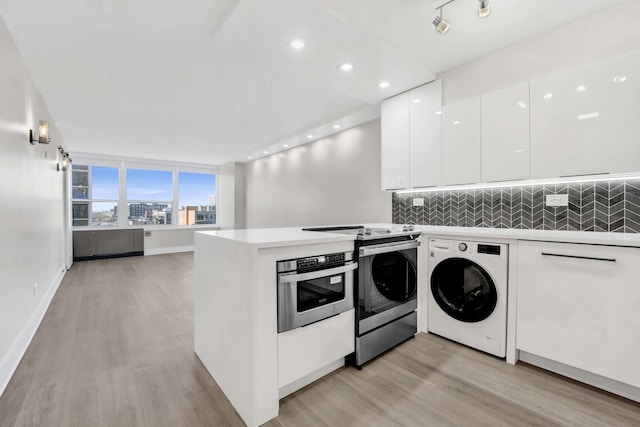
x=462 y=247
x=367 y=231
x=408 y=228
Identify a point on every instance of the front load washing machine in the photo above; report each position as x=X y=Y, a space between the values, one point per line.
x=467 y=299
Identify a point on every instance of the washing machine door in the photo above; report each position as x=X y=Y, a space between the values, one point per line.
x=463 y=289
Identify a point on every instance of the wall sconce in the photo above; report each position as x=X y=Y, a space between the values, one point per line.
x=43 y=137
x=64 y=165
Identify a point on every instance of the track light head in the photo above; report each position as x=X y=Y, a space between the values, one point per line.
x=441 y=25
x=484 y=8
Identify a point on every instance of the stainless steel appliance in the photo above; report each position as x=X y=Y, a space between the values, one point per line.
x=314 y=288
x=386 y=290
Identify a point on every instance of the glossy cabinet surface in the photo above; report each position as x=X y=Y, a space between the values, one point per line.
x=578 y=305
x=395 y=142
x=587 y=120
x=302 y=351
x=426 y=135
x=461 y=142
x=505 y=134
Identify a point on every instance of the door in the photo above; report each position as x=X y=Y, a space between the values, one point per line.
x=387 y=280
x=461 y=142
x=394 y=130
x=68 y=232
x=463 y=290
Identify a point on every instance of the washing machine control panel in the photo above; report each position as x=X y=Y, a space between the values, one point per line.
x=462 y=246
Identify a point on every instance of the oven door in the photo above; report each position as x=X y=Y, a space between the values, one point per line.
x=305 y=298
x=387 y=282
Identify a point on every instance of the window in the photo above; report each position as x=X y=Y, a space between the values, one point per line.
x=94 y=195
x=144 y=193
x=149 y=196
x=197 y=196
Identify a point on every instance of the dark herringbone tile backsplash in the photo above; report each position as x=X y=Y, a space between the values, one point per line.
x=609 y=206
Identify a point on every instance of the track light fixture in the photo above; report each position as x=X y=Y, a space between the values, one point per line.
x=484 y=8
x=441 y=25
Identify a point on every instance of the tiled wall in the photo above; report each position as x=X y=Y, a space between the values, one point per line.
x=608 y=206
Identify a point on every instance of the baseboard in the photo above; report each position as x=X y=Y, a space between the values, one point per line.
x=169 y=250
x=612 y=386
x=120 y=255
x=10 y=363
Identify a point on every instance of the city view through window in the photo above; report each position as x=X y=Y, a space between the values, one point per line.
x=149 y=197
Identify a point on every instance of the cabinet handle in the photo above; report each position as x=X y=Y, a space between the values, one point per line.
x=579 y=257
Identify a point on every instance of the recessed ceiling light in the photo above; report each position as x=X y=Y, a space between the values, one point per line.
x=309 y=136
x=437 y=113
x=285 y=145
x=297 y=44
x=346 y=67
x=384 y=84
x=336 y=126
x=620 y=79
x=521 y=104
x=581 y=88
x=417 y=101
x=265 y=152
x=249 y=157
x=456 y=122
x=548 y=95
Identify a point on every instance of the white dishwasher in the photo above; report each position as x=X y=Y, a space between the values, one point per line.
x=578 y=306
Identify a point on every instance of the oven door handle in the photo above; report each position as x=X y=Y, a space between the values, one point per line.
x=289 y=278
x=387 y=247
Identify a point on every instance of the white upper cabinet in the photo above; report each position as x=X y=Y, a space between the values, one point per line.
x=461 y=142
x=505 y=134
x=395 y=142
x=426 y=135
x=587 y=120
x=411 y=138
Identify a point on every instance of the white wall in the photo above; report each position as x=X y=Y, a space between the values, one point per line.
x=614 y=30
x=31 y=215
x=231 y=196
x=334 y=180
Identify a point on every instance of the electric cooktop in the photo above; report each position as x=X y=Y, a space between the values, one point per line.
x=366 y=233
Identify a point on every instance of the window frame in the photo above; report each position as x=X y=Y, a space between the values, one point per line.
x=123 y=164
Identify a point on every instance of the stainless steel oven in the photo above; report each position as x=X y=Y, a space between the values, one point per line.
x=387 y=295
x=314 y=288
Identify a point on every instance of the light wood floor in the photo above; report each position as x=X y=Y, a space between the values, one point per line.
x=116 y=349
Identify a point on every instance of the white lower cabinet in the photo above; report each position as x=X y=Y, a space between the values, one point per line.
x=579 y=305
x=303 y=351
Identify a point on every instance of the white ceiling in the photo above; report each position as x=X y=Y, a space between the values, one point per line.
x=211 y=81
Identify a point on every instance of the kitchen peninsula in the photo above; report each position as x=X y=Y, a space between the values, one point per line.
x=236 y=333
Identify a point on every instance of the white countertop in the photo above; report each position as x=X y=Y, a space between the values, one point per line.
x=277 y=237
x=588 y=237
x=289 y=236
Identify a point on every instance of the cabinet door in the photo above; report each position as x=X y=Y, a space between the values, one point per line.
x=461 y=142
x=395 y=142
x=426 y=135
x=302 y=351
x=505 y=134
x=585 y=121
x=577 y=307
